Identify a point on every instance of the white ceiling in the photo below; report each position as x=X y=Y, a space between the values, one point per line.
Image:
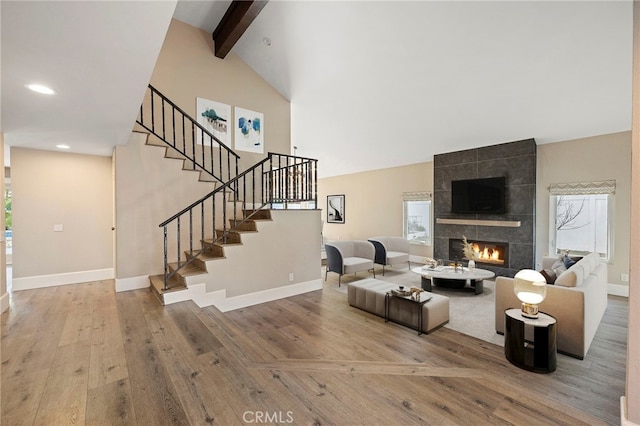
x=372 y=84
x=97 y=56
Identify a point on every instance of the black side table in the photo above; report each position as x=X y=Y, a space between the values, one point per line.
x=530 y=343
x=422 y=298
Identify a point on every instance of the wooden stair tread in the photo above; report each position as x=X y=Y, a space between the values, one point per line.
x=260 y=214
x=205 y=255
x=188 y=270
x=157 y=286
x=174 y=284
x=220 y=243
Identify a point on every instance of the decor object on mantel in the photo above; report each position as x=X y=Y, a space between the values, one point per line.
x=467 y=249
x=531 y=289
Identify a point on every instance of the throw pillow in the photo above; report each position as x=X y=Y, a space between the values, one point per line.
x=567 y=279
x=568 y=261
x=549 y=276
x=558 y=267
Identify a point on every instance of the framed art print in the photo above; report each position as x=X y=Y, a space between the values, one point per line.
x=335 y=208
x=216 y=118
x=249 y=130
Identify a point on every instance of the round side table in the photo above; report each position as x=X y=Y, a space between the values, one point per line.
x=530 y=343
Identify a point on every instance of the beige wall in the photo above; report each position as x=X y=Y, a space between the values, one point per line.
x=72 y=190
x=255 y=266
x=150 y=188
x=374 y=205
x=4 y=299
x=373 y=202
x=632 y=390
x=594 y=158
x=187 y=69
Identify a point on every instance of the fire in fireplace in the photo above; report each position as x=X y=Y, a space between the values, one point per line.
x=489 y=252
x=486 y=254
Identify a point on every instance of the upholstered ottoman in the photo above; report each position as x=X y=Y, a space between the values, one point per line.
x=369 y=295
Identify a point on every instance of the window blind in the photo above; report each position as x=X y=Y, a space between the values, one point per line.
x=582 y=188
x=416 y=196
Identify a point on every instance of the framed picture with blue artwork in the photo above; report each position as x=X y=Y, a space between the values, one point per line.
x=335 y=208
x=249 y=130
x=215 y=117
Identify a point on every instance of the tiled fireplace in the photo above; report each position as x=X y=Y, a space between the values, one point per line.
x=511 y=233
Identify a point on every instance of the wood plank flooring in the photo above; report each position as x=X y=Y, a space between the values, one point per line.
x=81 y=354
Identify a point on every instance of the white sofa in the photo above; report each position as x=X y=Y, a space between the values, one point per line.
x=577 y=300
x=391 y=251
x=349 y=256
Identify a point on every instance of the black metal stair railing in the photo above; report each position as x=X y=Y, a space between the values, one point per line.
x=277 y=181
x=177 y=129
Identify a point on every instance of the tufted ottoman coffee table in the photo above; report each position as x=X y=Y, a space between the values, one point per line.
x=369 y=295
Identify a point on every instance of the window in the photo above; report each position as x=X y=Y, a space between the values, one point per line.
x=417 y=217
x=580 y=214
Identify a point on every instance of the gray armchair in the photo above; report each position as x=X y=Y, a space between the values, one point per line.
x=391 y=251
x=345 y=257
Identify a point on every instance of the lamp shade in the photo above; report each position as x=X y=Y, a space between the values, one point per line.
x=531 y=288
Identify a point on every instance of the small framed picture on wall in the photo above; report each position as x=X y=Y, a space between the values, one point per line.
x=335 y=208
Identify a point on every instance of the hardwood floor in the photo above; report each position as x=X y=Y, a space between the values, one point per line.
x=81 y=354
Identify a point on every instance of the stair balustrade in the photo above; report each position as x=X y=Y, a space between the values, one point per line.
x=164 y=119
x=278 y=181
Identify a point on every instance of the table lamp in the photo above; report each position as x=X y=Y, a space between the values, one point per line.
x=531 y=288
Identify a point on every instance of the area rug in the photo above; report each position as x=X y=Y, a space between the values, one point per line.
x=469 y=313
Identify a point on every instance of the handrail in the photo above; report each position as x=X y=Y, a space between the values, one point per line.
x=276 y=179
x=212 y=193
x=181 y=132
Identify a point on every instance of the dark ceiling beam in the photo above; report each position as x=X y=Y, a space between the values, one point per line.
x=234 y=23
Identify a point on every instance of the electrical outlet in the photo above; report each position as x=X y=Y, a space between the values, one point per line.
x=624 y=278
x=290 y=276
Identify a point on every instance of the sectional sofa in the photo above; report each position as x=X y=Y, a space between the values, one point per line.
x=577 y=299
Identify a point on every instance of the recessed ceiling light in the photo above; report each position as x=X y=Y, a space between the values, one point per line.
x=266 y=41
x=40 y=89
x=63 y=146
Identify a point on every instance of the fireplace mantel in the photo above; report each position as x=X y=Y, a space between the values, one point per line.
x=477 y=222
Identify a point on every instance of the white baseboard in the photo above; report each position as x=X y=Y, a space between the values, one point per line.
x=618 y=290
x=624 y=421
x=416 y=259
x=132 y=283
x=42 y=281
x=4 y=302
x=219 y=299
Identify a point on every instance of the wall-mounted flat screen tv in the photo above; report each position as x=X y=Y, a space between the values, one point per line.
x=478 y=196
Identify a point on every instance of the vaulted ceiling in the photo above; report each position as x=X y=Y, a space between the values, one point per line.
x=372 y=84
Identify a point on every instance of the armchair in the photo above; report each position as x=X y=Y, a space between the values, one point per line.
x=391 y=251
x=344 y=257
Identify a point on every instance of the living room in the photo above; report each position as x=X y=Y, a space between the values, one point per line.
x=373 y=197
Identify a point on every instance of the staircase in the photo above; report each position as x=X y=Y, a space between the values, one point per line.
x=199 y=233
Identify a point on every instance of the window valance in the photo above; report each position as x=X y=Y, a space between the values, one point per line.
x=416 y=196
x=582 y=188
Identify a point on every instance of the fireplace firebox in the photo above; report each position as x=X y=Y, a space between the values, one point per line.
x=487 y=252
